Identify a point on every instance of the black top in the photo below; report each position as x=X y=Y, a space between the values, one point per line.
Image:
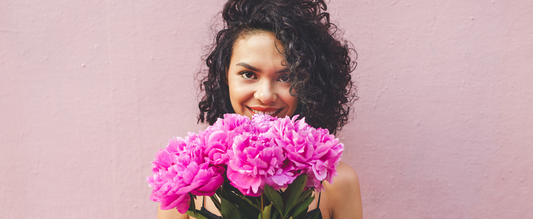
x=309 y=213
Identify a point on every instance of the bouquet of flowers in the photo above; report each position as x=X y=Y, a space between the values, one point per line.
x=265 y=167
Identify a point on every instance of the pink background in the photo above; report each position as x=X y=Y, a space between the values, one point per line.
x=90 y=90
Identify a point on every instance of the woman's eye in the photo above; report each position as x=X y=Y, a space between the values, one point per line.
x=284 y=78
x=248 y=75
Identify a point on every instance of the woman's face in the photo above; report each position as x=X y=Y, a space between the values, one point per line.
x=258 y=82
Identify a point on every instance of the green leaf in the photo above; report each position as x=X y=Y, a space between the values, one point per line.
x=301 y=216
x=198 y=214
x=266 y=212
x=275 y=198
x=274 y=214
x=295 y=190
x=314 y=215
x=304 y=195
x=302 y=207
x=243 y=203
x=248 y=199
x=229 y=210
x=247 y=204
x=248 y=210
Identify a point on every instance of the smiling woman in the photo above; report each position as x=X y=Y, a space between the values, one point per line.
x=317 y=63
x=281 y=58
x=257 y=79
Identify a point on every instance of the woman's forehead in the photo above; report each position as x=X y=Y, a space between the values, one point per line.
x=259 y=45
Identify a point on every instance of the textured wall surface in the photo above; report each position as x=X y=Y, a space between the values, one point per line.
x=90 y=90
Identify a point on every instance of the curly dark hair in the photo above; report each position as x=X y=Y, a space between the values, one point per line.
x=319 y=64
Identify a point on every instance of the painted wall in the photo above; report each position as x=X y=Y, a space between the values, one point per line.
x=90 y=90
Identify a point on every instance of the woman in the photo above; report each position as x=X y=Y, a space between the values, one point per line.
x=279 y=57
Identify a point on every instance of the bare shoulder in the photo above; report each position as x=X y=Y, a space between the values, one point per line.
x=347 y=176
x=344 y=194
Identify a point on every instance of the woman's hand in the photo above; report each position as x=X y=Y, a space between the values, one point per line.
x=170 y=214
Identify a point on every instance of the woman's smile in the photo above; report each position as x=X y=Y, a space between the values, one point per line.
x=258 y=78
x=264 y=111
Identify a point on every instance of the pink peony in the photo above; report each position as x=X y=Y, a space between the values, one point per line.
x=256 y=159
x=313 y=151
x=257 y=152
x=325 y=159
x=181 y=169
x=216 y=146
x=234 y=123
x=163 y=191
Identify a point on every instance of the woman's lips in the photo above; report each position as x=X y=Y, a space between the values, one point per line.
x=265 y=111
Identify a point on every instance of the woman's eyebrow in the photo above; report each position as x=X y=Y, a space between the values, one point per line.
x=248 y=66
x=285 y=70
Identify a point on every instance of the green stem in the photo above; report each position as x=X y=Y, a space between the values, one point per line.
x=262 y=207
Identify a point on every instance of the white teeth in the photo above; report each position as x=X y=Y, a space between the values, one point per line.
x=264 y=112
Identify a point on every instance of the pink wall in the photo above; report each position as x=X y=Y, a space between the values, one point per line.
x=90 y=90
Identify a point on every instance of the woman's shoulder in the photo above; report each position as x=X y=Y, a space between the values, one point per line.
x=347 y=181
x=343 y=194
x=346 y=175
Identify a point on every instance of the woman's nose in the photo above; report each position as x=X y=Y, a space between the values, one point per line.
x=266 y=93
